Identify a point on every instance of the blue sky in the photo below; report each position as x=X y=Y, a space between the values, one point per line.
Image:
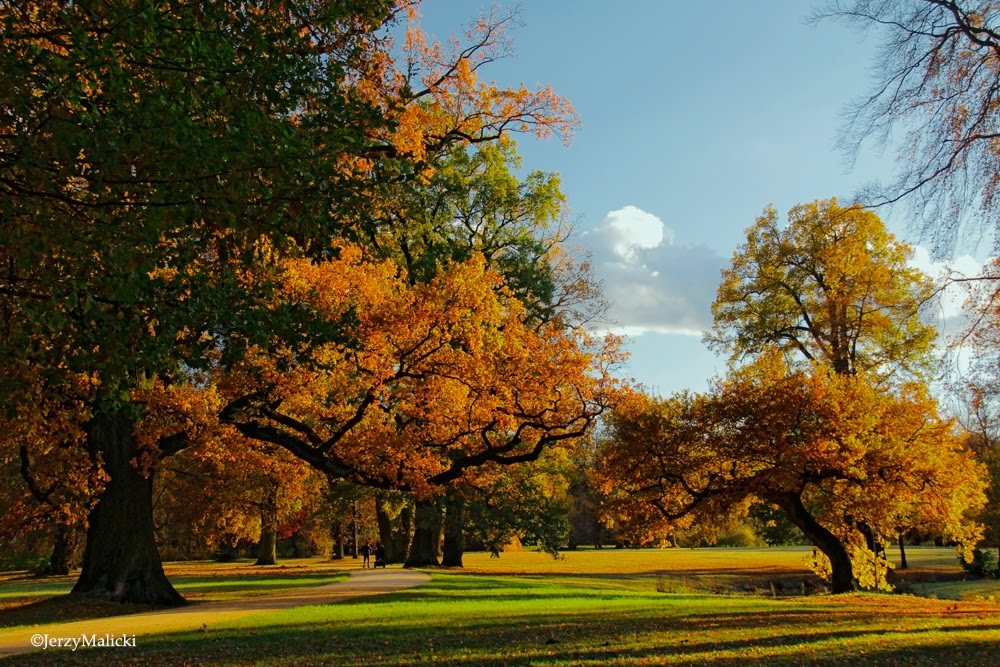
x=694 y=117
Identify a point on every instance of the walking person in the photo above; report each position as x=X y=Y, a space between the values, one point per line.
x=366 y=552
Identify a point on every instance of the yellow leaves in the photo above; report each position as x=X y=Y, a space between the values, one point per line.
x=833 y=285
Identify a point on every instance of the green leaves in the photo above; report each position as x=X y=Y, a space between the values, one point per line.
x=832 y=286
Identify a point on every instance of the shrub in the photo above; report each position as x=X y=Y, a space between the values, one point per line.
x=983 y=563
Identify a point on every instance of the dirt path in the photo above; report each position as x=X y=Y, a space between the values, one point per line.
x=366 y=582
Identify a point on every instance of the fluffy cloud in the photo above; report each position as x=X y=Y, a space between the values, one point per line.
x=652 y=282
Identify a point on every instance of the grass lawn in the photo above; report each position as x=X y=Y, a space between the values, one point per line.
x=26 y=599
x=592 y=608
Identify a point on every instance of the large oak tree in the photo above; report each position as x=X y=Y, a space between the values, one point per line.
x=148 y=151
x=831 y=286
x=834 y=452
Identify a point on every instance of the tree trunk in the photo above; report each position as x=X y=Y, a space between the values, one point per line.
x=121 y=562
x=454 y=532
x=871 y=539
x=439 y=508
x=337 y=531
x=423 y=551
x=267 y=548
x=64 y=550
x=403 y=538
x=842 y=571
x=354 y=531
x=227 y=553
x=902 y=553
x=385 y=531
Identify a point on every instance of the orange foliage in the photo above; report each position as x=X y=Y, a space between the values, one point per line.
x=431 y=380
x=441 y=99
x=855 y=454
x=43 y=445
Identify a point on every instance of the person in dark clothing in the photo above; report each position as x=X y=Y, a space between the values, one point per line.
x=366 y=552
x=379 y=555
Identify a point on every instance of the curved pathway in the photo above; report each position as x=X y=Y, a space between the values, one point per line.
x=204 y=616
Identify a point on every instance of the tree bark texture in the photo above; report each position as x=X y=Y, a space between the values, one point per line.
x=267 y=547
x=454 y=532
x=402 y=538
x=337 y=532
x=65 y=549
x=121 y=561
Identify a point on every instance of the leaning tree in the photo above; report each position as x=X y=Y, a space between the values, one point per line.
x=830 y=451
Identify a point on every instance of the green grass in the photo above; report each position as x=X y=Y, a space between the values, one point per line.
x=578 y=619
x=591 y=607
x=975 y=589
x=29 y=600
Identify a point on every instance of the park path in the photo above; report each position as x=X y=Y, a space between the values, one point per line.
x=205 y=616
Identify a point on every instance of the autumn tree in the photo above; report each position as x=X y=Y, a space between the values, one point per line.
x=526 y=503
x=246 y=493
x=836 y=453
x=141 y=171
x=976 y=392
x=937 y=84
x=434 y=381
x=831 y=287
x=50 y=487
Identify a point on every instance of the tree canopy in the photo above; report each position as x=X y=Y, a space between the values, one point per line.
x=836 y=453
x=155 y=156
x=937 y=84
x=832 y=287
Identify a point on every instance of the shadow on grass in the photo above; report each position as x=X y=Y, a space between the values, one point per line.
x=64 y=608
x=543 y=620
x=508 y=638
x=60 y=608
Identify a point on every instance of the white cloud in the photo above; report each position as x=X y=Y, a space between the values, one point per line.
x=631 y=229
x=651 y=282
x=951 y=315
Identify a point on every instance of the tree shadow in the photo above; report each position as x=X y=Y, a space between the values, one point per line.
x=796 y=637
x=65 y=608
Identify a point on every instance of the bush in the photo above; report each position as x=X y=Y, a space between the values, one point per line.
x=983 y=564
x=740 y=535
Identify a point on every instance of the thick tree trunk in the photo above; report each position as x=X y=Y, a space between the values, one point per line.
x=423 y=550
x=902 y=553
x=267 y=548
x=842 y=571
x=385 y=531
x=454 y=533
x=121 y=562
